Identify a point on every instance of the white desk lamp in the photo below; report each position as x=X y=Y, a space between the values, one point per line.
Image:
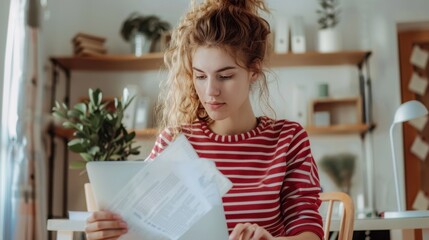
x=407 y=111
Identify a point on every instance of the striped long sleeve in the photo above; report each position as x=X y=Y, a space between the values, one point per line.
x=274 y=176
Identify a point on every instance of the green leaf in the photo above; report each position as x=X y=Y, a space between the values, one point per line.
x=58 y=114
x=94 y=150
x=81 y=107
x=77 y=165
x=77 y=145
x=69 y=125
x=72 y=113
x=87 y=157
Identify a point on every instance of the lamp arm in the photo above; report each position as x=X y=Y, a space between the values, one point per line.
x=395 y=170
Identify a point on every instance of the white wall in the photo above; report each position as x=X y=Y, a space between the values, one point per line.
x=366 y=25
x=3 y=28
x=382 y=17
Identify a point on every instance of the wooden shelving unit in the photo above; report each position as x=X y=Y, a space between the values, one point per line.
x=150 y=61
x=318 y=59
x=154 y=61
x=140 y=133
x=338 y=129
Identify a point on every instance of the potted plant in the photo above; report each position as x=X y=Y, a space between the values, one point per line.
x=99 y=134
x=328 y=35
x=340 y=168
x=143 y=32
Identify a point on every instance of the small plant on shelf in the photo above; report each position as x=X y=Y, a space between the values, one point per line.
x=143 y=30
x=99 y=134
x=328 y=13
x=340 y=168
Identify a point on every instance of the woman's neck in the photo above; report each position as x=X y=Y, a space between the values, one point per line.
x=232 y=126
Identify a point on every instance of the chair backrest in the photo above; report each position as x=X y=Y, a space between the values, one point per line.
x=91 y=204
x=347 y=214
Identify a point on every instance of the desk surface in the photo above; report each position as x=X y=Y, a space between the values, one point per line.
x=359 y=225
x=386 y=223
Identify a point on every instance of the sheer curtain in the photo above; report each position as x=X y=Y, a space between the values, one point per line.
x=22 y=181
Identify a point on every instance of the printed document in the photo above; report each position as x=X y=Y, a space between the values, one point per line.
x=169 y=195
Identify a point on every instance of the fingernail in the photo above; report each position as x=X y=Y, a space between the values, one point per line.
x=123 y=224
x=116 y=216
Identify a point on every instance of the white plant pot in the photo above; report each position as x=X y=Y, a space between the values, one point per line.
x=140 y=44
x=329 y=40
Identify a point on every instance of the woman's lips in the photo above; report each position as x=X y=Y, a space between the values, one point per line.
x=215 y=105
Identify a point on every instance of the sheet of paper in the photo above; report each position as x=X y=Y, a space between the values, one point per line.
x=418 y=84
x=419 y=123
x=170 y=194
x=419 y=57
x=420 y=148
x=421 y=202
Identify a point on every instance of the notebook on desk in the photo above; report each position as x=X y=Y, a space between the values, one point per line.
x=108 y=178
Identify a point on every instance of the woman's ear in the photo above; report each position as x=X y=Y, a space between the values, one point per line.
x=255 y=70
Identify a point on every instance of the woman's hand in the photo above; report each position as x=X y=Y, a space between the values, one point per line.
x=105 y=225
x=248 y=231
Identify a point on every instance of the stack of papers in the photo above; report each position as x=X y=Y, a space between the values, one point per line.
x=173 y=193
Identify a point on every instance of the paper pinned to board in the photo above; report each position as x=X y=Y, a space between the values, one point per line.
x=420 y=148
x=418 y=84
x=419 y=123
x=421 y=202
x=419 y=57
x=171 y=194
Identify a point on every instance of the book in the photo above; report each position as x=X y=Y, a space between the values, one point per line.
x=89 y=45
x=88 y=52
x=88 y=37
x=97 y=50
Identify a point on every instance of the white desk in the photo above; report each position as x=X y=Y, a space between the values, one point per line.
x=390 y=224
x=65 y=227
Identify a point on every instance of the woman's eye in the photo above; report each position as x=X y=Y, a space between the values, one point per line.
x=200 y=77
x=223 y=77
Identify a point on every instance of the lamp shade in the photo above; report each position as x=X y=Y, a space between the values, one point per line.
x=409 y=110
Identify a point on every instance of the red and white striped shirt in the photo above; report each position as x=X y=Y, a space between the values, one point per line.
x=274 y=176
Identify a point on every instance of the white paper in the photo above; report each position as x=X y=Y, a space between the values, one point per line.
x=420 y=148
x=418 y=84
x=419 y=123
x=419 y=57
x=170 y=194
x=421 y=202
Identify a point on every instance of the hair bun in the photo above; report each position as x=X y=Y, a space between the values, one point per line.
x=249 y=5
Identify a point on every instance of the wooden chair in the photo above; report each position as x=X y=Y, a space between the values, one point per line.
x=347 y=214
x=65 y=227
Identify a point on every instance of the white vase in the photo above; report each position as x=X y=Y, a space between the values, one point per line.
x=140 y=44
x=329 y=40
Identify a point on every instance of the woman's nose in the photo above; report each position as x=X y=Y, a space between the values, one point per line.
x=212 y=88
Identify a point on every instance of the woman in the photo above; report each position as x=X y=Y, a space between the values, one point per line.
x=215 y=57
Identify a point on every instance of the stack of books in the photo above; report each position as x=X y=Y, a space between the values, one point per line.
x=88 y=45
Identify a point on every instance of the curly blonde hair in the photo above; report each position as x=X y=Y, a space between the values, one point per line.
x=233 y=25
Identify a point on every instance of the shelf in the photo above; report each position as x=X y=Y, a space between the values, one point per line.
x=140 y=133
x=338 y=129
x=152 y=61
x=318 y=59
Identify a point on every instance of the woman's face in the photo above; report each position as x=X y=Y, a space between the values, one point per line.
x=222 y=86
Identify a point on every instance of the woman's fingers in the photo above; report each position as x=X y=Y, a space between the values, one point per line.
x=261 y=234
x=247 y=231
x=102 y=215
x=105 y=225
x=106 y=234
x=240 y=230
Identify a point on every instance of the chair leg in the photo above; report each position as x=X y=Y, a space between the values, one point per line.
x=64 y=235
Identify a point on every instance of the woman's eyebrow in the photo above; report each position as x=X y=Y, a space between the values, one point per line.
x=219 y=70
